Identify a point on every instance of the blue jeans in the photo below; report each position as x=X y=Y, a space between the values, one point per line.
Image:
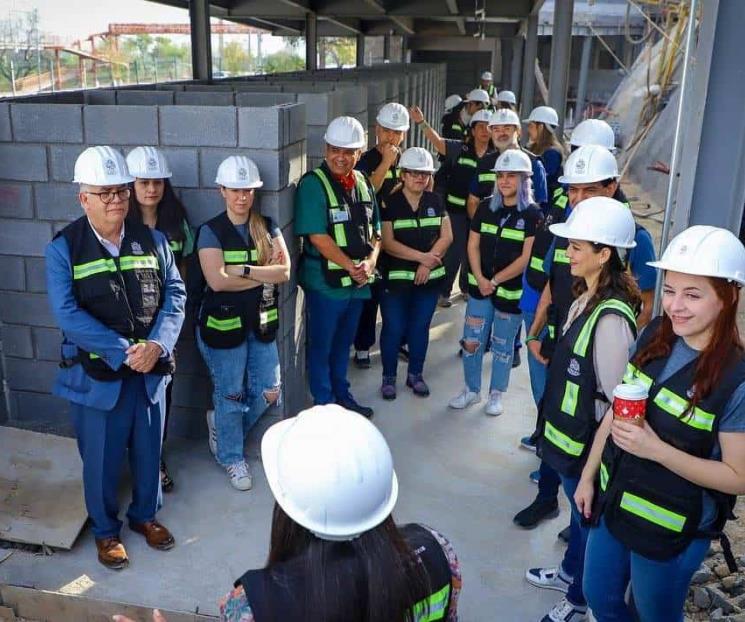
x=659 y=588
x=243 y=380
x=480 y=316
x=573 y=563
x=332 y=325
x=536 y=369
x=407 y=313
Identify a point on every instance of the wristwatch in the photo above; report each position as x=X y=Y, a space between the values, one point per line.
x=246 y=271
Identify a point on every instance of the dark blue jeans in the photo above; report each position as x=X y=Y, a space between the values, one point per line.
x=548 y=483
x=407 y=314
x=332 y=325
x=573 y=563
x=365 y=337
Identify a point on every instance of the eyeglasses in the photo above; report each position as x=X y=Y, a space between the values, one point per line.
x=418 y=174
x=108 y=196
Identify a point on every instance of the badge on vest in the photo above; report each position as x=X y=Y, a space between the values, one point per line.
x=573 y=369
x=430 y=211
x=520 y=224
x=369 y=212
x=339 y=215
x=137 y=249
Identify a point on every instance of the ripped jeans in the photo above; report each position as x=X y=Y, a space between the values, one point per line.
x=246 y=381
x=480 y=314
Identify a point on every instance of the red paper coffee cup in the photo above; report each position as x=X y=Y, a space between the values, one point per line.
x=630 y=403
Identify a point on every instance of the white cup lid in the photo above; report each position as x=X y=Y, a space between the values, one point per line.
x=633 y=391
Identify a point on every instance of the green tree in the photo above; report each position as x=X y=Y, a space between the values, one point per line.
x=235 y=59
x=283 y=60
x=340 y=51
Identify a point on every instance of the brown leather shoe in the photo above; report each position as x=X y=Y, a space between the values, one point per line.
x=156 y=535
x=111 y=553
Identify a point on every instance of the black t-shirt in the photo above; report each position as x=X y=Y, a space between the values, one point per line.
x=371 y=160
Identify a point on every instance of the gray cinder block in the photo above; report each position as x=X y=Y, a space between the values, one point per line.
x=205 y=98
x=46 y=343
x=30 y=375
x=144 y=98
x=57 y=201
x=36 y=278
x=23 y=308
x=16 y=341
x=15 y=201
x=12 y=273
x=42 y=123
x=24 y=237
x=121 y=125
x=211 y=126
x=23 y=162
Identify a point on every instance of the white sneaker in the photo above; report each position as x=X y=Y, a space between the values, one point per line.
x=464 y=399
x=564 y=611
x=548 y=578
x=212 y=432
x=240 y=476
x=494 y=404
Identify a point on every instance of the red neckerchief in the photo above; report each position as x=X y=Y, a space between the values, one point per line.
x=346 y=181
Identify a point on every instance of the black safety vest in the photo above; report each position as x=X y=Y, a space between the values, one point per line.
x=273 y=593
x=487 y=177
x=371 y=160
x=123 y=293
x=491 y=90
x=535 y=274
x=175 y=241
x=452 y=125
x=502 y=235
x=226 y=317
x=350 y=224
x=650 y=509
x=461 y=173
x=568 y=407
x=419 y=230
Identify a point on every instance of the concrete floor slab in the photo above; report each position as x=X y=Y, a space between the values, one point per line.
x=459 y=471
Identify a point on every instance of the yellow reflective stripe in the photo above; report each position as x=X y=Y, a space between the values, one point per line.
x=235 y=256
x=432 y=221
x=652 y=512
x=509 y=294
x=558 y=192
x=569 y=401
x=432 y=608
x=340 y=236
x=634 y=375
x=560 y=255
x=487 y=228
x=513 y=234
x=84 y=270
x=457 y=126
x=175 y=246
x=472 y=280
x=561 y=202
x=93 y=356
x=562 y=441
x=330 y=194
x=363 y=193
x=583 y=339
x=405 y=223
x=456 y=200
x=603 y=476
x=467 y=162
x=551 y=331
x=487 y=177
x=536 y=263
x=142 y=262
x=677 y=406
x=231 y=323
x=437 y=273
x=401 y=275
x=268 y=316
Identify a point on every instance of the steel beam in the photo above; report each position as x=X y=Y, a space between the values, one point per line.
x=561 y=50
x=517 y=64
x=360 y=52
x=201 y=44
x=387 y=46
x=584 y=70
x=531 y=51
x=311 y=42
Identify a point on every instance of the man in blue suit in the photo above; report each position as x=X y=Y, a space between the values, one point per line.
x=119 y=300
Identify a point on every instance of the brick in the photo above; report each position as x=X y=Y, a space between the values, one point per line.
x=23 y=162
x=42 y=412
x=98 y=97
x=30 y=375
x=144 y=98
x=36 y=278
x=185 y=166
x=42 y=123
x=15 y=201
x=211 y=126
x=5 y=133
x=23 y=308
x=279 y=206
x=16 y=341
x=319 y=108
x=121 y=125
x=260 y=128
x=12 y=273
x=248 y=99
x=62 y=161
x=46 y=342
x=24 y=237
x=57 y=202
x=201 y=205
x=205 y=98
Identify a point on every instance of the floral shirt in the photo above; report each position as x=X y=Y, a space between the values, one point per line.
x=234 y=606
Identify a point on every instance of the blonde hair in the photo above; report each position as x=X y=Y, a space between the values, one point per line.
x=261 y=237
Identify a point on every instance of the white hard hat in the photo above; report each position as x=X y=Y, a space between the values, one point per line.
x=451 y=101
x=238 y=172
x=331 y=471
x=513 y=161
x=504 y=116
x=345 y=132
x=148 y=163
x=394 y=117
x=599 y=219
x=480 y=116
x=593 y=132
x=705 y=251
x=478 y=95
x=417 y=159
x=589 y=164
x=101 y=166
x=487 y=76
x=543 y=114
x=507 y=97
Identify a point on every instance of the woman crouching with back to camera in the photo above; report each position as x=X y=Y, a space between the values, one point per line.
x=667 y=486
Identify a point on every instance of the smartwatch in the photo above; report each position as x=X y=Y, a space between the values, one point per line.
x=246 y=271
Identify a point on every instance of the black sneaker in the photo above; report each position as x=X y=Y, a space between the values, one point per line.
x=537 y=511
x=350 y=404
x=362 y=360
x=403 y=354
x=564 y=534
x=444 y=302
x=516 y=359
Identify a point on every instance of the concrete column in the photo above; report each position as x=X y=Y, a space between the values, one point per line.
x=584 y=69
x=531 y=51
x=561 y=49
x=404 y=47
x=506 y=66
x=387 y=47
x=517 y=64
x=311 y=42
x=201 y=44
x=360 y=50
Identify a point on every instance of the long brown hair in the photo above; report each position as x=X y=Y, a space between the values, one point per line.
x=725 y=343
x=546 y=140
x=614 y=281
x=260 y=235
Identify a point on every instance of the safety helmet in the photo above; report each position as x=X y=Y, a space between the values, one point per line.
x=101 y=166
x=417 y=159
x=451 y=101
x=589 y=164
x=478 y=95
x=331 y=471
x=238 y=171
x=148 y=163
x=593 y=132
x=486 y=75
x=394 y=117
x=543 y=114
x=705 y=251
x=507 y=97
x=345 y=132
x=601 y=220
x=480 y=116
x=513 y=161
x=504 y=116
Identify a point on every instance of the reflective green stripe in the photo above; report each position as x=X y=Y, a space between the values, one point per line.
x=333 y=266
x=560 y=255
x=437 y=273
x=456 y=126
x=536 y=263
x=232 y=323
x=551 y=331
x=652 y=512
x=268 y=316
x=346 y=281
x=569 y=402
x=558 y=192
x=487 y=228
x=84 y=270
x=330 y=194
x=175 y=246
x=634 y=375
x=401 y=275
x=678 y=406
x=562 y=441
x=340 y=236
x=93 y=356
x=235 y=256
x=467 y=162
x=583 y=339
x=603 y=476
x=254 y=255
x=472 y=280
x=513 y=234
x=456 y=200
x=487 y=178
x=392 y=173
x=561 y=202
x=509 y=294
x=362 y=190
x=432 y=221
x=432 y=608
x=408 y=223
x=142 y=262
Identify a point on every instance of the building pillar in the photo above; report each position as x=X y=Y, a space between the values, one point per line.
x=584 y=70
x=561 y=50
x=505 y=70
x=360 y=50
x=311 y=42
x=387 y=47
x=201 y=44
x=517 y=65
x=531 y=52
